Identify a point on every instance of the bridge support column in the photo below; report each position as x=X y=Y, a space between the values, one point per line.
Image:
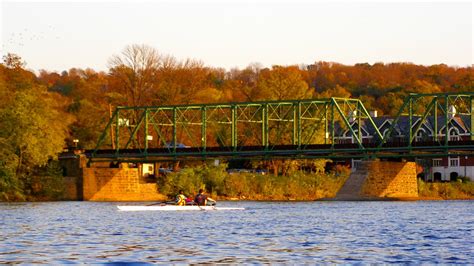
x=381 y=180
x=103 y=183
x=106 y=181
x=72 y=171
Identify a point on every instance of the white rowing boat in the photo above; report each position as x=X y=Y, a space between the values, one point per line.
x=174 y=208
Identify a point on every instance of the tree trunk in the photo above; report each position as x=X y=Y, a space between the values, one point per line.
x=274 y=164
x=20 y=161
x=176 y=166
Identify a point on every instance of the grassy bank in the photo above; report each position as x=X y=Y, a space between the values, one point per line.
x=446 y=191
x=298 y=185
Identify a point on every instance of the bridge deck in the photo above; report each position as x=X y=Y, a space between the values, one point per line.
x=417 y=149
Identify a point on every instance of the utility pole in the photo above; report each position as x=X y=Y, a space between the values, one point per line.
x=112 y=128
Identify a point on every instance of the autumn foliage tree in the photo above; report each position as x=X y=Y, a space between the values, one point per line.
x=283 y=83
x=133 y=73
x=40 y=114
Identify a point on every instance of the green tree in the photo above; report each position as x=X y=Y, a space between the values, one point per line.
x=33 y=126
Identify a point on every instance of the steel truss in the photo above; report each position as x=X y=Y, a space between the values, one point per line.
x=298 y=128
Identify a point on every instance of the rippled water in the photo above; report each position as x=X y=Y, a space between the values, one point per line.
x=294 y=232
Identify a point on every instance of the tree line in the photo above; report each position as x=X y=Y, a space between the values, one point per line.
x=42 y=113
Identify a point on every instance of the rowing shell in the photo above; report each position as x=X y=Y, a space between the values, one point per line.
x=174 y=208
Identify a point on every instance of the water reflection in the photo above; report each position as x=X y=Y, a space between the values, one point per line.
x=304 y=232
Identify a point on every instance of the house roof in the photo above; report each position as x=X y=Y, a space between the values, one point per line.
x=463 y=122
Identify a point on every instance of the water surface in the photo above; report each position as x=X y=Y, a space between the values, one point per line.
x=266 y=232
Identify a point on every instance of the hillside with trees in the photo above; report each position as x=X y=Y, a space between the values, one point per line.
x=41 y=113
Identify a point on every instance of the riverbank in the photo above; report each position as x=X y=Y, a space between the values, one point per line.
x=446 y=191
x=296 y=186
x=427 y=192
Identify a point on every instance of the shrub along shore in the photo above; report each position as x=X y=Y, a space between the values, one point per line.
x=297 y=185
x=220 y=184
x=446 y=191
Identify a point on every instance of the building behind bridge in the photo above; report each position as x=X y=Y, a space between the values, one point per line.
x=434 y=168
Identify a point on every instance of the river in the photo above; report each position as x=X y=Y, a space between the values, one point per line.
x=266 y=232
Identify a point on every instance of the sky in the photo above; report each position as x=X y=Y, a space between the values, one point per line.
x=59 y=35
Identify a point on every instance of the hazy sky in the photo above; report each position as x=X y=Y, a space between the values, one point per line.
x=59 y=35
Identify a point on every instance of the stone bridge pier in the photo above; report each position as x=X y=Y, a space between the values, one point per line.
x=101 y=182
x=376 y=180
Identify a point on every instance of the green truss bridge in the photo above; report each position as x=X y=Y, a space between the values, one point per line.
x=425 y=125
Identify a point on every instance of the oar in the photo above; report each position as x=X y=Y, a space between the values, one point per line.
x=213 y=205
x=158 y=203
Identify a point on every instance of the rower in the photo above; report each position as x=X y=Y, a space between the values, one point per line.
x=189 y=200
x=201 y=199
x=181 y=199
